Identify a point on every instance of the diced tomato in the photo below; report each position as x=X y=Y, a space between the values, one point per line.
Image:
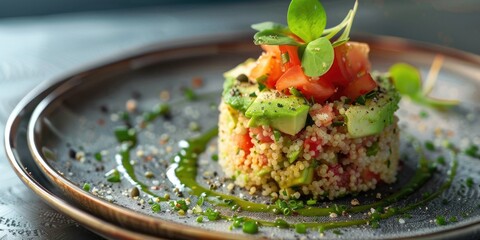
x=359 y=87
x=262 y=160
x=317 y=89
x=268 y=64
x=348 y=76
x=326 y=114
x=344 y=175
x=292 y=53
x=351 y=62
x=355 y=58
x=368 y=175
x=312 y=145
x=273 y=49
x=350 y=71
x=244 y=142
x=293 y=77
x=258 y=134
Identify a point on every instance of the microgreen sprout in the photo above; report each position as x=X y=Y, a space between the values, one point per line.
x=306 y=29
x=407 y=80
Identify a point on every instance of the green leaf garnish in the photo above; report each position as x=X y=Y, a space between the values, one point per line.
x=318 y=57
x=407 y=81
x=345 y=24
x=306 y=29
x=306 y=19
x=273 y=37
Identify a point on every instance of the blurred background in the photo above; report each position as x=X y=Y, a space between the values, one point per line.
x=41 y=40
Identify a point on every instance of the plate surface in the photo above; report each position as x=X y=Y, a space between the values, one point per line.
x=76 y=123
x=24 y=166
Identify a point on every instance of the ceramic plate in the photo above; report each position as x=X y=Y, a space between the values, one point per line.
x=26 y=169
x=71 y=136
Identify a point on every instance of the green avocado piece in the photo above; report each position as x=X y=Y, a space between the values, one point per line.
x=375 y=115
x=263 y=172
x=292 y=156
x=239 y=95
x=287 y=114
x=306 y=177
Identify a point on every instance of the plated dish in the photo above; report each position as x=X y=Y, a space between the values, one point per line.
x=71 y=175
x=137 y=146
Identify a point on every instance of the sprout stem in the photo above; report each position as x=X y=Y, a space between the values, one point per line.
x=433 y=74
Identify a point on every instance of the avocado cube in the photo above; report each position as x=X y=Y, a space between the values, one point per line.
x=288 y=114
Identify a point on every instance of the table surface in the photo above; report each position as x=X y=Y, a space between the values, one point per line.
x=42 y=48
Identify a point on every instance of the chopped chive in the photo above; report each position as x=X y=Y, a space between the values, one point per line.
x=441 y=160
x=189 y=94
x=237 y=222
x=149 y=116
x=215 y=157
x=86 y=187
x=201 y=199
x=212 y=215
x=261 y=86
x=338 y=123
x=113 y=175
x=277 y=135
x=98 y=156
x=429 y=145
x=124 y=116
x=372 y=150
x=337 y=232
x=250 y=227
x=156 y=207
x=311 y=202
x=124 y=134
x=262 y=78
x=361 y=100
x=300 y=228
x=469 y=182
x=440 y=220
x=162 y=109
x=371 y=94
x=472 y=151
x=295 y=92
x=423 y=114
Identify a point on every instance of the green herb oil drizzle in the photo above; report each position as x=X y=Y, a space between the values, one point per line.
x=185 y=171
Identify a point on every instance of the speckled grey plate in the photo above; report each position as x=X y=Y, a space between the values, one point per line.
x=17 y=151
x=79 y=116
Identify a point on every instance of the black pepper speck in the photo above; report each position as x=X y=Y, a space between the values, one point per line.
x=72 y=153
